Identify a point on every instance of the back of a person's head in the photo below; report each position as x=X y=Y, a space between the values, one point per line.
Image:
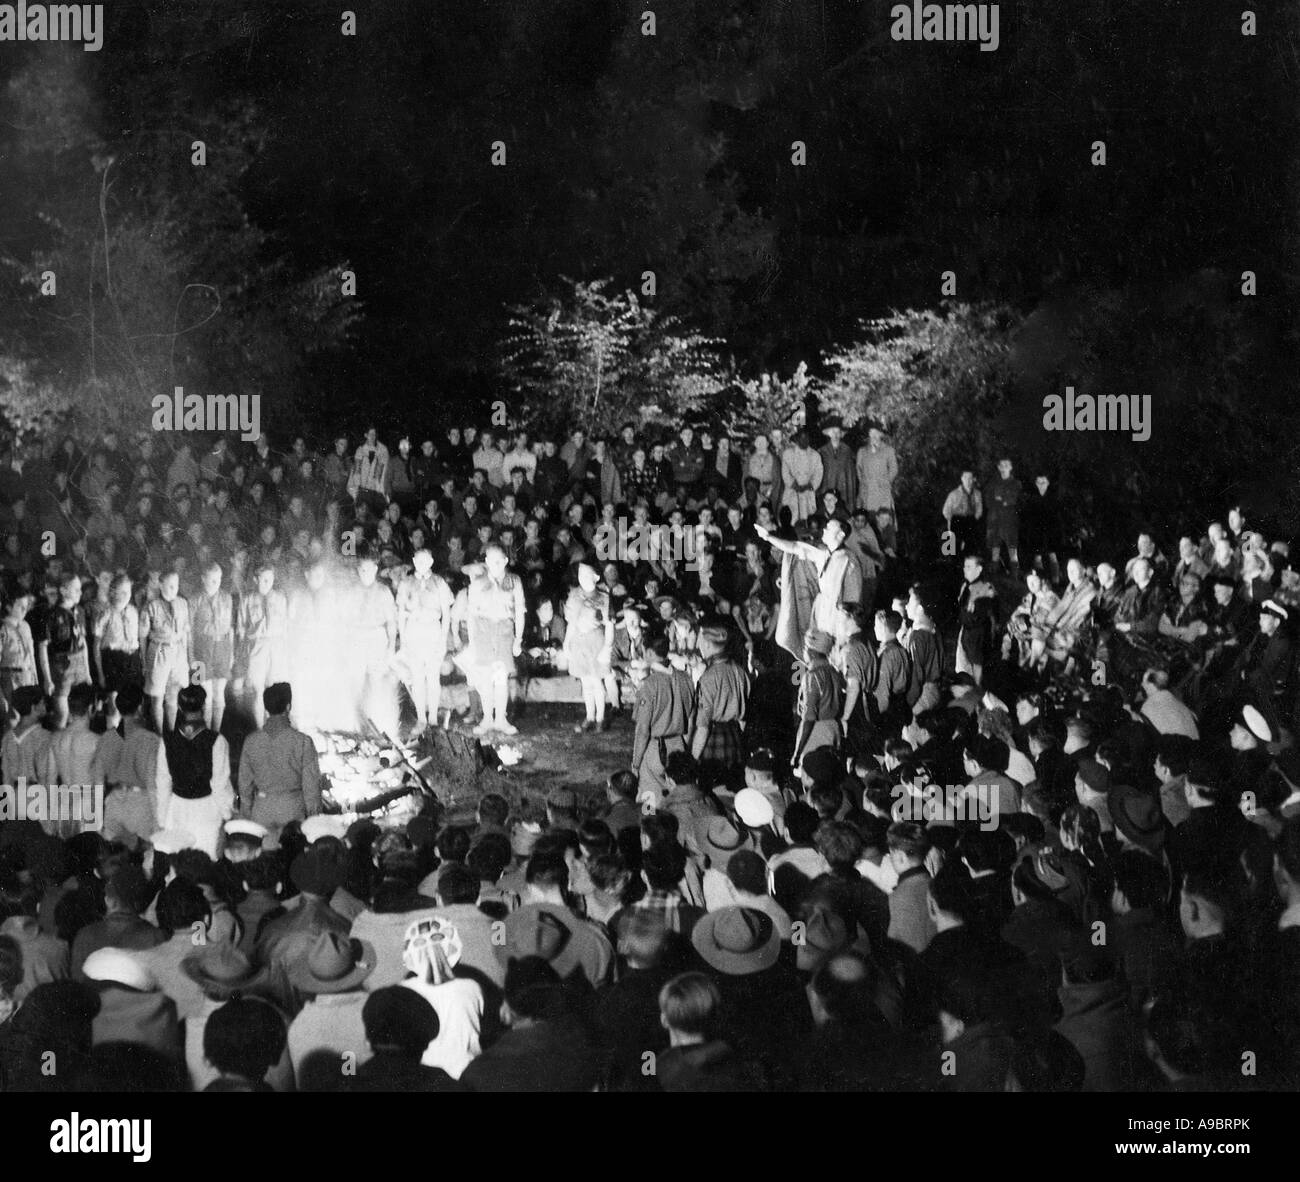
x=277 y=698
x=846 y=987
x=457 y=884
x=643 y=938
x=547 y=871
x=660 y=828
x=839 y=843
x=1026 y=881
x=595 y=838
x=80 y=699
x=1085 y=963
x=453 y=843
x=489 y=857
x=663 y=866
x=689 y=1003
x=910 y=839
x=827 y=799
x=747 y=872
x=1206 y=774
x=128 y=886
x=624 y=785
x=1024 y=828
x=681 y=768
x=181 y=905
x=493 y=809
x=244 y=1037
x=986 y=849
x=556 y=843
x=1140 y=879
x=801 y=821
x=878 y=791
x=1217 y=884
x=1176 y=752
x=951 y=891
x=263 y=872
x=991 y=754
x=533 y=989
x=609 y=872
x=399 y=1019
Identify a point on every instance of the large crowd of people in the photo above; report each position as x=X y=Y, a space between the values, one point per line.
x=978 y=813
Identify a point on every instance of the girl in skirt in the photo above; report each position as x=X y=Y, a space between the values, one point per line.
x=495 y=616
x=588 y=642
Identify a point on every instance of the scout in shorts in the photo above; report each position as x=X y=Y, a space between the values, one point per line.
x=62 y=655
x=213 y=644
x=165 y=647
x=263 y=630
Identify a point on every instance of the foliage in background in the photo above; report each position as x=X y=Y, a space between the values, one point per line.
x=937 y=380
x=757 y=405
x=161 y=277
x=597 y=359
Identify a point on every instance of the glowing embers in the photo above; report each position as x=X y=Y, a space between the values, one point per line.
x=368 y=777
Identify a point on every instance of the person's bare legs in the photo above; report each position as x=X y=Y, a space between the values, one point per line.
x=169 y=704
x=501 y=698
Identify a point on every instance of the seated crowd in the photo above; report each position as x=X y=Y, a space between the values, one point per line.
x=1068 y=859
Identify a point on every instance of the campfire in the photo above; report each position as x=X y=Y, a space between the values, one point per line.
x=373 y=777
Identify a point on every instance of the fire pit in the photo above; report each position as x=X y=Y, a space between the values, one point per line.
x=371 y=777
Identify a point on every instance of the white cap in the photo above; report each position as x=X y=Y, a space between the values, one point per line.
x=116 y=964
x=237 y=825
x=1255 y=722
x=753 y=808
x=324 y=825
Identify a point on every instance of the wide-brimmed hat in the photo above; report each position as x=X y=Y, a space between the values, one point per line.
x=720 y=840
x=1138 y=816
x=220 y=969
x=737 y=940
x=335 y=964
x=116 y=966
x=660 y=600
x=536 y=929
x=825 y=933
x=1094 y=775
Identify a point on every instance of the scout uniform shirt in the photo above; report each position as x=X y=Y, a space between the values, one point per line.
x=423 y=605
x=662 y=715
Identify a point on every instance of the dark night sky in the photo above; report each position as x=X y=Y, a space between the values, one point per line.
x=673 y=152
